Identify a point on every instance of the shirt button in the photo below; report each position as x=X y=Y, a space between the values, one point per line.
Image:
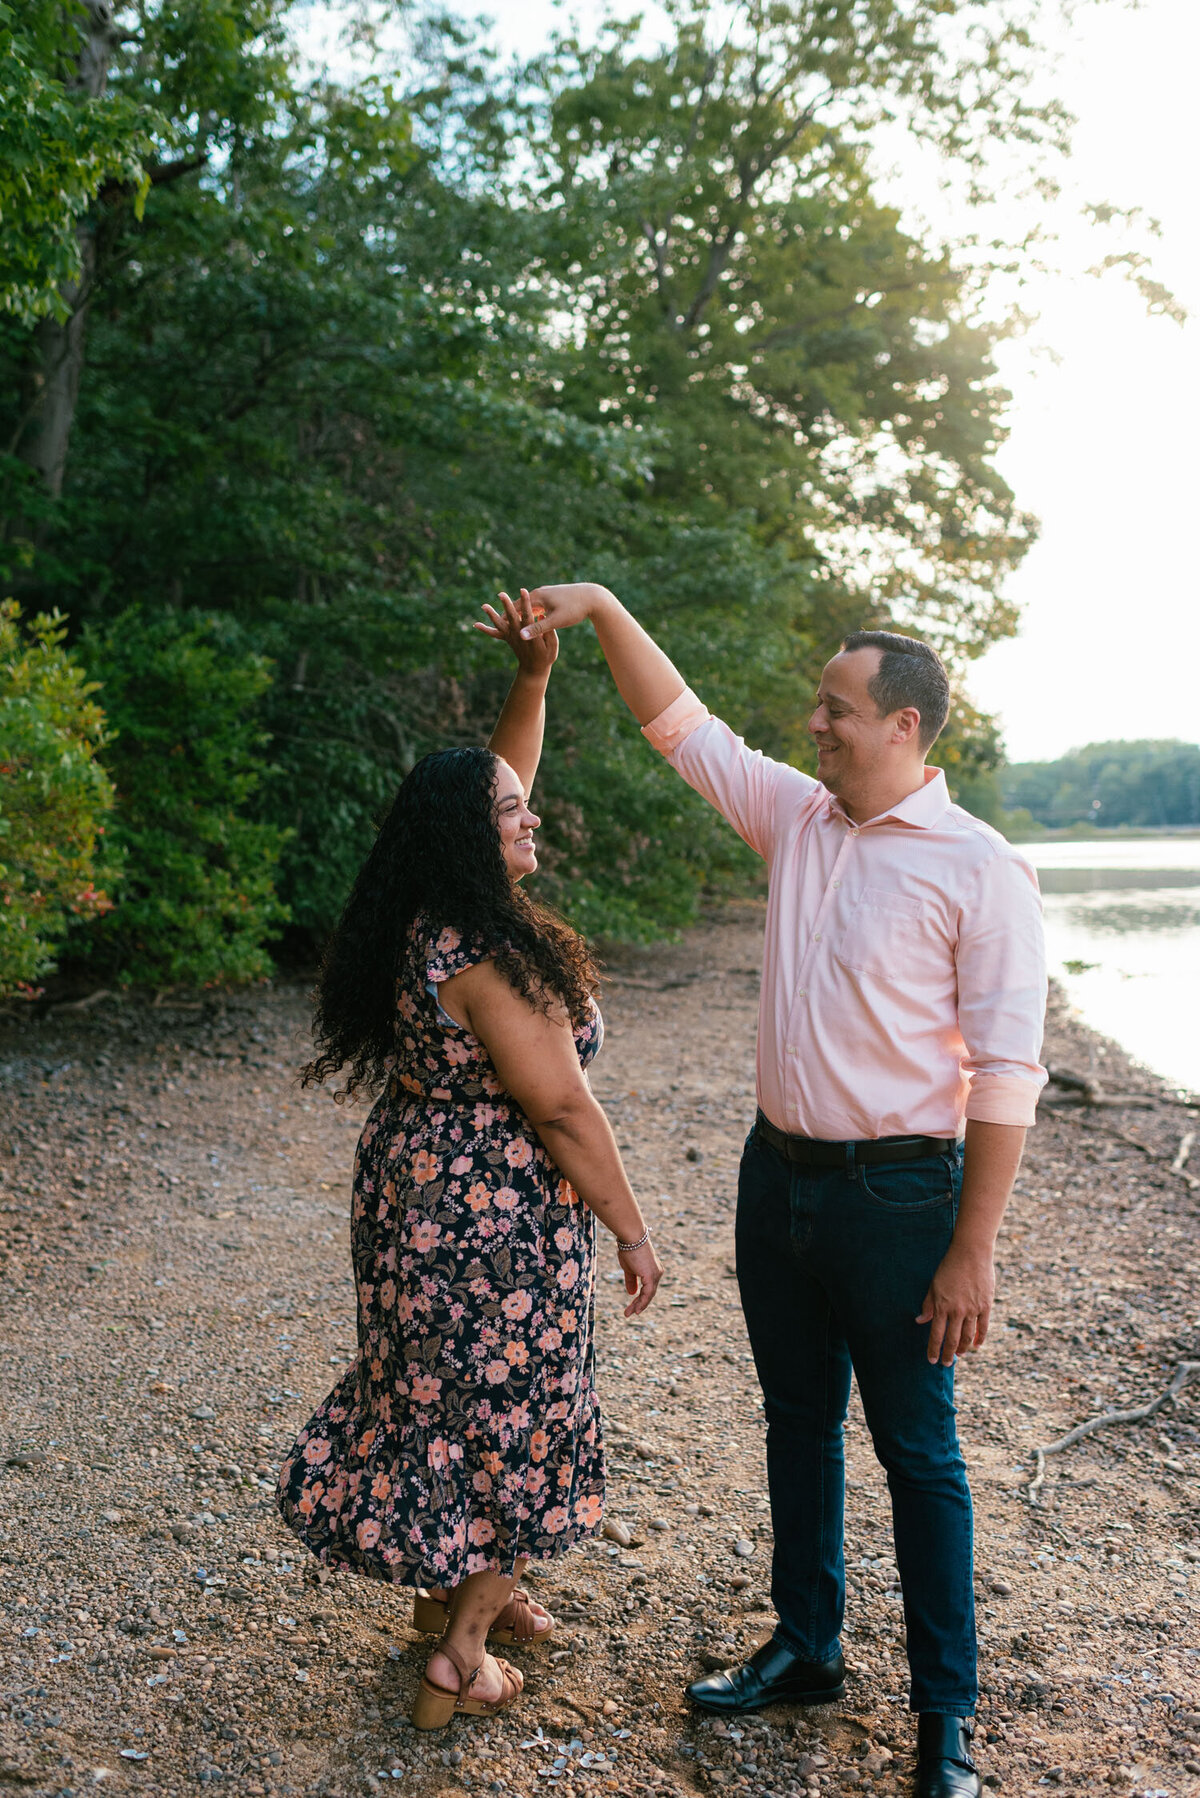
x=804 y=992
x=854 y=830
x=816 y=936
x=792 y=1049
x=837 y=883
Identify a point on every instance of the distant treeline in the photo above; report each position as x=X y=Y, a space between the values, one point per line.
x=1153 y=784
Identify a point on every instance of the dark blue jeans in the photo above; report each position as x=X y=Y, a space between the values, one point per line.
x=833 y=1266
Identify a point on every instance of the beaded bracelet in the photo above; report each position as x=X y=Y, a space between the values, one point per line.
x=626 y=1248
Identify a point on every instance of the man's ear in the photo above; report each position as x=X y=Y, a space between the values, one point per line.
x=907 y=727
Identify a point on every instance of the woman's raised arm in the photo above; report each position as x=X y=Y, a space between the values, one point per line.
x=517 y=737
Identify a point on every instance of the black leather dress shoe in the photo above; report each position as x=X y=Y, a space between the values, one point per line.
x=944 y=1765
x=774 y=1674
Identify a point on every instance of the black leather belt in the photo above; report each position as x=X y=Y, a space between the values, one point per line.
x=809 y=1151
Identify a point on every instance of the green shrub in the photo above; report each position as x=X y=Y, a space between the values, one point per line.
x=53 y=794
x=198 y=900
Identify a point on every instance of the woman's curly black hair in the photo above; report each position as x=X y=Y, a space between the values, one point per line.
x=437 y=858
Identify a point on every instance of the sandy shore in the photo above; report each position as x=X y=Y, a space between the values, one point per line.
x=176 y=1296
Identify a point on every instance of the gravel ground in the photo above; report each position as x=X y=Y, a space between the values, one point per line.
x=176 y=1297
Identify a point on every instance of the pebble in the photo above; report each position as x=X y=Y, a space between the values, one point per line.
x=618 y=1532
x=28 y=1458
x=1000 y=1587
x=739 y=1582
x=610 y=1707
x=660 y=1523
x=203 y=1414
x=743 y=1548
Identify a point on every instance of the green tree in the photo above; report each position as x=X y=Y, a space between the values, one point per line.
x=54 y=796
x=198 y=901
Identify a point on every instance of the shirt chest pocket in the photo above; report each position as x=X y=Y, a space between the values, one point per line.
x=894 y=937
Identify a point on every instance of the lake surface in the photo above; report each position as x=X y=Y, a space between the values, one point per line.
x=1130 y=911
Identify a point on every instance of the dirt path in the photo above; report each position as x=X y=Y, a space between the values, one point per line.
x=176 y=1297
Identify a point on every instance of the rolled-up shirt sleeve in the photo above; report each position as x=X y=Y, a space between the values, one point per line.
x=1001 y=962
x=743 y=784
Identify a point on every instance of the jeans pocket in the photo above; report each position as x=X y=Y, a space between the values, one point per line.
x=908 y=1186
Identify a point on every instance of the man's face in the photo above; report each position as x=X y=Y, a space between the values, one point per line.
x=853 y=742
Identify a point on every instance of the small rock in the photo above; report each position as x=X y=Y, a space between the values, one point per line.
x=111 y=1516
x=158 y=1653
x=694 y=1154
x=691 y=1510
x=659 y=1523
x=993 y=1780
x=609 y=1707
x=203 y=1414
x=876 y=1759
x=617 y=1532
x=28 y=1458
x=456 y=1755
x=743 y=1549
x=183 y=1532
x=739 y=1582
x=1000 y=1587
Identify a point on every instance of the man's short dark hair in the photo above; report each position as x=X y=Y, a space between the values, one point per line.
x=910 y=673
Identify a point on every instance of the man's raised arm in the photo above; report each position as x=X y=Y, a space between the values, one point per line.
x=646 y=679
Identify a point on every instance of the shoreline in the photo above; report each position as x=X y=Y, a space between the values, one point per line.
x=177 y=1294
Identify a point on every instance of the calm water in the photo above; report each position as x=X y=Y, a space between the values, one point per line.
x=1130 y=909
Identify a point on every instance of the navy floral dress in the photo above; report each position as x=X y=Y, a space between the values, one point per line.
x=467 y=1432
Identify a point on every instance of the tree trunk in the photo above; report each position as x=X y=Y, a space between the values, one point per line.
x=57 y=359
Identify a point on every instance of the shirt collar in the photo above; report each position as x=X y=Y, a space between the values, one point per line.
x=920 y=809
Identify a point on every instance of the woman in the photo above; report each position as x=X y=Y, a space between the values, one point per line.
x=465 y=1439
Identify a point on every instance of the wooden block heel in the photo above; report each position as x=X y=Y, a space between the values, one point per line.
x=434 y=1705
x=429 y=1614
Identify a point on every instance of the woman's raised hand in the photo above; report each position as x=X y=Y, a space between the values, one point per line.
x=535 y=654
x=643 y=1271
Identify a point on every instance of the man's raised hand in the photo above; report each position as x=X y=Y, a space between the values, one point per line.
x=563 y=606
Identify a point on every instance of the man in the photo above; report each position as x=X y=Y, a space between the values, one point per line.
x=903 y=992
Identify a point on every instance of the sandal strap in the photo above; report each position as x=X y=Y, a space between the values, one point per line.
x=518 y=1616
x=467 y=1675
x=512 y=1684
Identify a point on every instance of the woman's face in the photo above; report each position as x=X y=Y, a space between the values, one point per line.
x=517 y=823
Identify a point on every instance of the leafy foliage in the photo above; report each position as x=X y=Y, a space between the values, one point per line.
x=1155 y=784
x=198 y=898
x=57 y=149
x=53 y=795
x=377 y=349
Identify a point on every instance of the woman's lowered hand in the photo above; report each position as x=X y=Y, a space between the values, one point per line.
x=558 y=607
x=535 y=655
x=643 y=1271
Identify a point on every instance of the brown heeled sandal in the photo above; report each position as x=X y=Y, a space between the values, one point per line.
x=435 y=1705
x=515 y=1626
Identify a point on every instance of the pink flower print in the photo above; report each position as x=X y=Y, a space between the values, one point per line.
x=518 y=1417
x=518 y=1153
x=568 y=1274
x=516 y=1306
x=496 y=1372
x=457 y=1311
x=516 y=1354
x=555 y=1521
x=480 y=1531
x=565 y=1475
x=507 y=1199
x=485 y=1116
x=424 y=1167
x=480 y=1288
x=567 y=1322
x=549 y=1340
x=316 y=1450
x=563 y=1239
x=448 y=940
x=566 y=1195
x=478 y=1197
x=490 y=1083
x=461 y=1164
x=439 y=1454
x=404 y=1308
x=425 y=1236
x=384 y=1407
x=456 y=1053
x=589 y=1510
x=536 y=1481
x=539 y=1445
x=482 y=1482
x=362 y=1447
x=368 y=1533
x=309 y=1499
x=381 y=1487
x=387 y=1294
x=425 y=1389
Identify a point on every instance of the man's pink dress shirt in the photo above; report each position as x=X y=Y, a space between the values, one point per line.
x=904 y=970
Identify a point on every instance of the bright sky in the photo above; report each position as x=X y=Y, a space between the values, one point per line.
x=1106 y=402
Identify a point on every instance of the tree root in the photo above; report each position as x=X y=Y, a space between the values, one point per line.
x=1184 y=1372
